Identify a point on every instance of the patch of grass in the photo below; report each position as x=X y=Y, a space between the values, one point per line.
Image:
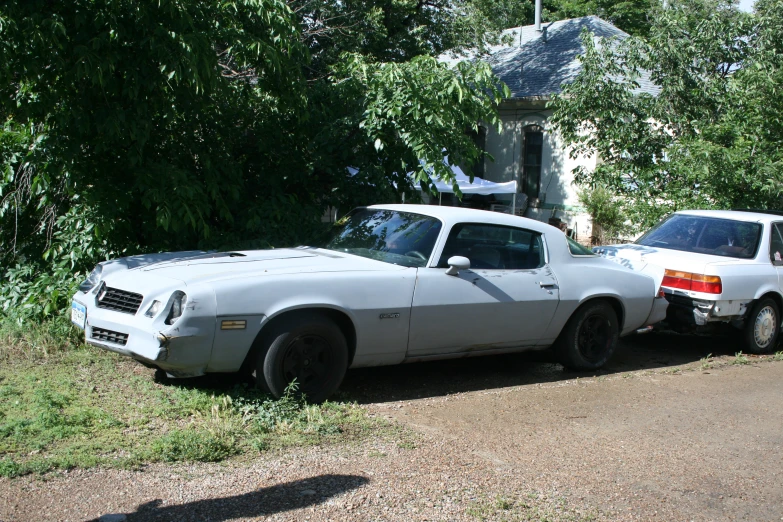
x=194 y=445
x=406 y=444
x=740 y=358
x=778 y=356
x=532 y=508
x=64 y=405
x=503 y=504
x=706 y=362
x=25 y=342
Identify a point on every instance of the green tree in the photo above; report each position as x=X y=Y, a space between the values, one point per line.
x=130 y=126
x=632 y=16
x=710 y=138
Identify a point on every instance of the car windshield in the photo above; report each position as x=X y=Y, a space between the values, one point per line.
x=705 y=235
x=401 y=238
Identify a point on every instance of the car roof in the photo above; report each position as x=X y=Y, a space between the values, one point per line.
x=451 y=215
x=737 y=215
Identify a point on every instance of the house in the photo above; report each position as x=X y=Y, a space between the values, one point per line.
x=536 y=63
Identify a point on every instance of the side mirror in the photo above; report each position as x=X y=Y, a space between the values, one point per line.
x=456 y=264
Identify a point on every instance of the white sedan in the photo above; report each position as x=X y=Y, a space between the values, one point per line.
x=720 y=266
x=393 y=284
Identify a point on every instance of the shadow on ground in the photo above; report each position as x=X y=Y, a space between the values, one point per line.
x=438 y=378
x=260 y=503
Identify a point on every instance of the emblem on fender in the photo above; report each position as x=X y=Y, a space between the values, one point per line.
x=395 y=315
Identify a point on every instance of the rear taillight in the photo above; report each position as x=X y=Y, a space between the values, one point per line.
x=693 y=282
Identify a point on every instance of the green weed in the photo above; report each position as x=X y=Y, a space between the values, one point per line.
x=740 y=358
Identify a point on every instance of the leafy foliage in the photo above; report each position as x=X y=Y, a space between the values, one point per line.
x=710 y=138
x=131 y=126
x=606 y=212
x=406 y=104
x=632 y=16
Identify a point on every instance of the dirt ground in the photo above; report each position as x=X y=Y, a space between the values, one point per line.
x=675 y=428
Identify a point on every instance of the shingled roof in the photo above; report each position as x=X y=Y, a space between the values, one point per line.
x=534 y=66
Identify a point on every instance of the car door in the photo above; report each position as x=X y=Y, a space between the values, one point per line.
x=506 y=299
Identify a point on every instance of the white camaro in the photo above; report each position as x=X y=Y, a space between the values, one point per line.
x=395 y=283
x=720 y=266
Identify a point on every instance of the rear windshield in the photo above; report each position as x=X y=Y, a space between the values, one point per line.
x=705 y=235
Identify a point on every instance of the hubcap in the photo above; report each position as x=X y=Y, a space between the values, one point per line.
x=764 y=327
x=307 y=360
x=594 y=337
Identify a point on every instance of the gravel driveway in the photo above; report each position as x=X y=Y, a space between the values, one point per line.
x=662 y=434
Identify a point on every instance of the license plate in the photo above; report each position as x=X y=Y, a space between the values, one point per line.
x=78 y=314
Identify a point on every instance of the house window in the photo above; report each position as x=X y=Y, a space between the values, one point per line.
x=480 y=140
x=531 y=161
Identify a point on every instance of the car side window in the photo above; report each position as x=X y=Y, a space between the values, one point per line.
x=776 y=245
x=494 y=247
x=578 y=250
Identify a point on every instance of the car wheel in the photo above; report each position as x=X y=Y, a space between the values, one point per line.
x=310 y=350
x=589 y=338
x=762 y=326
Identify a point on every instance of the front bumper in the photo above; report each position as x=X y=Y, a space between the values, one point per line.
x=182 y=350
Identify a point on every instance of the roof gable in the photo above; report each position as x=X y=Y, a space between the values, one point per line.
x=538 y=62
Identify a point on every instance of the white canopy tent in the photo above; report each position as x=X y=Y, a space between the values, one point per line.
x=478 y=186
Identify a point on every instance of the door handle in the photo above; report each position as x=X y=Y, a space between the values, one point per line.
x=542 y=284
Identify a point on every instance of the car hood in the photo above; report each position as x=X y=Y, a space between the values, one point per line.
x=640 y=257
x=205 y=267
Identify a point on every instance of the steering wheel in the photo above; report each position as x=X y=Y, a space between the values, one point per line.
x=416 y=253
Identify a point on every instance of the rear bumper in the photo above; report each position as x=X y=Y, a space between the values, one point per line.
x=687 y=313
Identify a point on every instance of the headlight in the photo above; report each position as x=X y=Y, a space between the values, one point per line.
x=178 y=301
x=93 y=279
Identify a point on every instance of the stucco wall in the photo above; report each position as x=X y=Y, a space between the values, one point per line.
x=558 y=194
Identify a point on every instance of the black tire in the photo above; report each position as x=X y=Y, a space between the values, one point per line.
x=762 y=327
x=310 y=349
x=589 y=338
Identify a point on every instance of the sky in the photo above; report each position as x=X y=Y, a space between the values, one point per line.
x=746 y=5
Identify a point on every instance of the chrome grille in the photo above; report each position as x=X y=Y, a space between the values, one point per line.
x=119 y=300
x=109 y=336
